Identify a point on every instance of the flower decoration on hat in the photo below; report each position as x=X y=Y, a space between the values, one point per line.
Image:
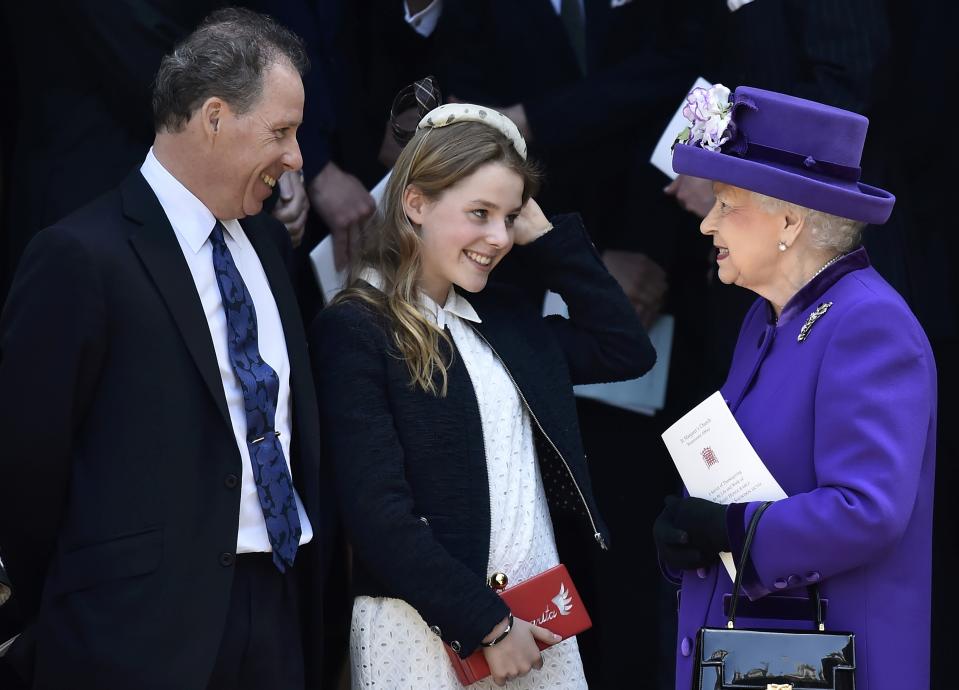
x=709 y=112
x=711 y=118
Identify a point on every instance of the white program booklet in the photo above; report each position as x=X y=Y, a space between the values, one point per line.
x=324 y=269
x=645 y=395
x=717 y=462
x=380 y=188
x=662 y=156
x=321 y=258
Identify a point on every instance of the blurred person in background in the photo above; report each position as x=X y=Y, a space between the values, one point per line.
x=361 y=54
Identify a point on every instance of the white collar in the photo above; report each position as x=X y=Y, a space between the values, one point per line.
x=186 y=213
x=456 y=304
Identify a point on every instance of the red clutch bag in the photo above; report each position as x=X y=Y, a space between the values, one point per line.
x=549 y=600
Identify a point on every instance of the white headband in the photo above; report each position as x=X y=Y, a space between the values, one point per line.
x=467 y=112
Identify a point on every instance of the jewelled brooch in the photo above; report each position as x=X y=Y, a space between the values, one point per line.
x=813 y=318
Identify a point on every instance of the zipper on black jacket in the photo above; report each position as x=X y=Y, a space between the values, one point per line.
x=482 y=436
x=597 y=535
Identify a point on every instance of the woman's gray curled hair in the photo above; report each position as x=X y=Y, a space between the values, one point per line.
x=828 y=231
x=226 y=56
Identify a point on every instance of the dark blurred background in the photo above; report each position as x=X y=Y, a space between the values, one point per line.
x=592 y=83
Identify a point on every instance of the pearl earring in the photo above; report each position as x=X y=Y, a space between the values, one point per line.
x=783 y=246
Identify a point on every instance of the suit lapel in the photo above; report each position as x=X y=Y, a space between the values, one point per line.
x=155 y=243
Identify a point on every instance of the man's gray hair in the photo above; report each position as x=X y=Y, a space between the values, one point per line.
x=828 y=231
x=226 y=57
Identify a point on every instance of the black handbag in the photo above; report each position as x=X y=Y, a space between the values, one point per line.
x=731 y=658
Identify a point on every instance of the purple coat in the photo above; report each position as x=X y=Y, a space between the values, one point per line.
x=845 y=420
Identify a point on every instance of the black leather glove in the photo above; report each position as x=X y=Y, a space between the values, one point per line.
x=690 y=532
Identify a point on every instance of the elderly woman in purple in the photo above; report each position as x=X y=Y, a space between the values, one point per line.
x=833 y=383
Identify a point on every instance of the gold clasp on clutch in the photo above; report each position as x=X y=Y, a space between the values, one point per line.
x=498 y=581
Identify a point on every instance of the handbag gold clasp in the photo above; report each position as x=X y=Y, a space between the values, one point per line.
x=497 y=581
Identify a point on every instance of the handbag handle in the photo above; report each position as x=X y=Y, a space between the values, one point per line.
x=744 y=558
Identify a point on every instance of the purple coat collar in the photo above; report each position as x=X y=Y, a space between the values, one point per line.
x=803 y=300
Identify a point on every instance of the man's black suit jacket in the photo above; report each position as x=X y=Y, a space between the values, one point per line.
x=119 y=502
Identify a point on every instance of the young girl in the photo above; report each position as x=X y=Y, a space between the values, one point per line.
x=447 y=407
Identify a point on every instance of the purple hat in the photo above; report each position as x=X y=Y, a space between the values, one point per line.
x=781 y=146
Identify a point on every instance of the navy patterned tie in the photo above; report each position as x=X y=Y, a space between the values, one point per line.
x=261 y=386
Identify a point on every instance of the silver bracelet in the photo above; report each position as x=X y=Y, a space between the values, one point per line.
x=499 y=638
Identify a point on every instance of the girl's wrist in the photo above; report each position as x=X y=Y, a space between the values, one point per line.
x=499 y=633
x=535 y=235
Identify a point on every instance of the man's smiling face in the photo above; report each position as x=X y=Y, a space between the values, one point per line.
x=255 y=148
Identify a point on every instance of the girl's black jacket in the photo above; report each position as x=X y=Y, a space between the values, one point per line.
x=410 y=467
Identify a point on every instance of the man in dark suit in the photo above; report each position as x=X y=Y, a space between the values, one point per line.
x=159 y=512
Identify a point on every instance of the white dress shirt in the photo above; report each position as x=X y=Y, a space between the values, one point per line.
x=192 y=223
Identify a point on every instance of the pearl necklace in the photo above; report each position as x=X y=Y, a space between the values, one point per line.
x=826 y=265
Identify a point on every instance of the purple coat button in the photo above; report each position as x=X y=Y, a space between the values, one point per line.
x=686 y=646
x=780 y=583
x=702 y=573
x=813 y=577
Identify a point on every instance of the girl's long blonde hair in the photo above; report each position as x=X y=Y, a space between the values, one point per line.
x=433 y=161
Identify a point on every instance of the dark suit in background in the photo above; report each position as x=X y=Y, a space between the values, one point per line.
x=10 y=620
x=10 y=625
x=361 y=54
x=584 y=125
x=924 y=183
x=84 y=70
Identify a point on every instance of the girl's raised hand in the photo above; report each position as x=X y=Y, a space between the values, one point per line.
x=530 y=224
